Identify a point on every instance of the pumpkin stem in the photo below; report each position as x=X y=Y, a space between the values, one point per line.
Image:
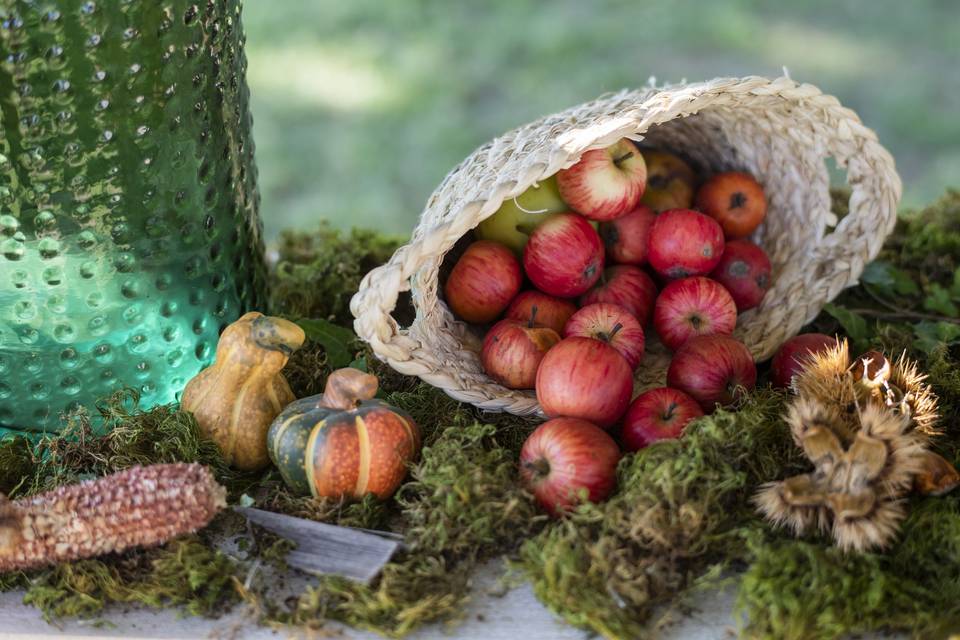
x=348 y=387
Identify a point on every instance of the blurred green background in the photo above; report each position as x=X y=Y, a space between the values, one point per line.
x=362 y=106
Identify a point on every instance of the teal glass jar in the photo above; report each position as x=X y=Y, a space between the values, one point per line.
x=129 y=233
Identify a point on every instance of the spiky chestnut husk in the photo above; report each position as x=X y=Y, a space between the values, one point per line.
x=865 y=426
x=138 y=507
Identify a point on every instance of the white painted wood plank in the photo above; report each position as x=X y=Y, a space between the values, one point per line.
x=517 y=615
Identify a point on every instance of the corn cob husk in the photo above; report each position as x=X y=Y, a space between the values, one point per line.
x=138 y=507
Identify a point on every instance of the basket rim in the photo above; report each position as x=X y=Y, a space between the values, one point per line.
x=875 y=187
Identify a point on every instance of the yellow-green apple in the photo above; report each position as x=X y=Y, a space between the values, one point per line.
x=548 y=311
x=691 y=307
x=626 y=237
x=612 y=324
x=566 y=461
x=684 y=243
x=483 y=282
x=605 y=183
x=516 y=218
x=625 y=285
x=658 y=414
x=670 y=181
x=584 y=378
x=794 y=354
x=744 y=270
x=564 y=256
x=735 y=200
x=512 y=351
x=712 y=370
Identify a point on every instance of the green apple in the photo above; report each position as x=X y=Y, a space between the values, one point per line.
x=517 y=217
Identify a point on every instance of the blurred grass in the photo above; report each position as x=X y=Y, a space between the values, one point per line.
x=362 y=107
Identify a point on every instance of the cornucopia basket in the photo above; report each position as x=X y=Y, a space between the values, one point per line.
x=778 y=130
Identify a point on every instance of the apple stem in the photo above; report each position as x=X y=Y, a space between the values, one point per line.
x=668 y=414
x=533 y=316
x=615 y=329
x=539 y=467
x=607 y=337
x=737 y=200
x=626 y=156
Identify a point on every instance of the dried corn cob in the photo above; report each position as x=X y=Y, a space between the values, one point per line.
x=138 y=507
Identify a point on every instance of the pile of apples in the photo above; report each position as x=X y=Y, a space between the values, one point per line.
x=574 y=273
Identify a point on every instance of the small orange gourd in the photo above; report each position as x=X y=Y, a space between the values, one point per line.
x=344 y=443
x=237 y=397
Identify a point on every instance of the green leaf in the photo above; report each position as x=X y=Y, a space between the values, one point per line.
x=337 y=341
x=930 y=335
x=940 y=301
x=888 y=280
x=853 y=324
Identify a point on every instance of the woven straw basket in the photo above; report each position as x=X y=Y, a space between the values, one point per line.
x=780 y=131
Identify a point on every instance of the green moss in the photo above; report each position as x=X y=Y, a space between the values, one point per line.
x=799 y=590
x=185 y=572
x=318 y=272
x=679 y=513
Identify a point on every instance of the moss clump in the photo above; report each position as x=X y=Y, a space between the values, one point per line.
x=463 y=505
x=680 y=511
x=318 y=272
x=186 y=572
x=800 y=590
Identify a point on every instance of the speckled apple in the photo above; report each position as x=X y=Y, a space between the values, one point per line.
x=550 y=311
x=512 y=351
x=566 y=460
x=657 y=414
x=584 y=378
x=605 y=183
x=483 y=282
x=692 y=307
x=712 y=370
x=670 y=181
x=735 y=200
x=793 y=354
x=627 y=286
x=744 y=270
x=612 y=324
x=684 y=243
x=564 y=256
x=626 y=238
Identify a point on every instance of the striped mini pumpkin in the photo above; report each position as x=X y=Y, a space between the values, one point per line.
x=343 y=443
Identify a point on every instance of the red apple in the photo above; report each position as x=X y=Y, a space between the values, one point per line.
x=793 y=355
x=658 y=414
x=550 y=312
x=605 y=183
x=670 y=181
x=693 y=307
x=564 y=256
x=627 y=286
x=483 y=282
x=712 y=369
x=512 y=351
x=684 y=243
x=612 y=324
x=584 y=378
x=626 y=238
x=735 y=200
x=744 y=270
x=567 y=460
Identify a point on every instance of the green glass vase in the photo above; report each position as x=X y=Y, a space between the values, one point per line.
x=129 y=234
